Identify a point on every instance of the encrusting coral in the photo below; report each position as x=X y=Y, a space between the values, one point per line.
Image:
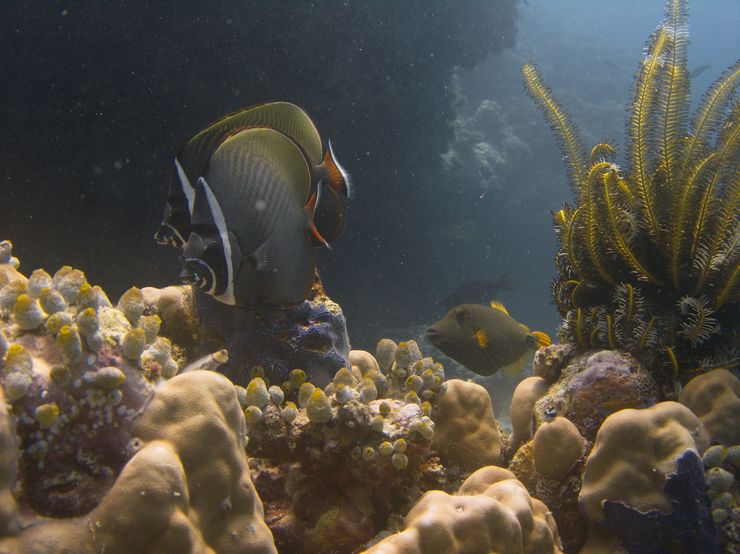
x=491 y=512
x=648 y=260
x=594 y=385
x=100 y=452
x=74 y=384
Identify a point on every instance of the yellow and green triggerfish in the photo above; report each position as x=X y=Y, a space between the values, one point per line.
x=244 y=203
x=485 y=338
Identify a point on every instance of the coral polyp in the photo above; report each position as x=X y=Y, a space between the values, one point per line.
x=648 y=258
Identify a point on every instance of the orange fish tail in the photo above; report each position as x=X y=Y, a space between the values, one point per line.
x=542 y=338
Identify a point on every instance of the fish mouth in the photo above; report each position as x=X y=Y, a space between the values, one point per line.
x=433 y=334
x=188 y=277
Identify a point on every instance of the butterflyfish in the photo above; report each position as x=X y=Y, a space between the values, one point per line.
x=328 y=175
x=250 y=241
x=485 y=339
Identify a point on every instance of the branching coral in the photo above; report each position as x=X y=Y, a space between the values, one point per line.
x=648 y=260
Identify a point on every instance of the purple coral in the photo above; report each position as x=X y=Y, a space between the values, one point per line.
x=311 y=335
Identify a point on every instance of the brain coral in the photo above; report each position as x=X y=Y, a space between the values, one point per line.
x=466 y=431
x=634 y=452
x=715 y=399
x=159 y=501
x=492 y=512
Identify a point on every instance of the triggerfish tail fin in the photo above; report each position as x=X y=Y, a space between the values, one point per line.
x=496 y=305
x=543 y=339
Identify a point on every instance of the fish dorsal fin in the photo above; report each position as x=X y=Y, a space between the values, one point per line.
x=514 y=369
x=481 y=337
x=496 y=305
x=284 y=117
x=279 y=151
x=337 y=176
x=542 y=338
x=524 y=327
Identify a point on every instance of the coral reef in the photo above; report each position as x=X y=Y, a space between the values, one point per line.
x=76 y=371
x=648 y=259
x=391 y=420
x=363 y=428
x=99 y=450
x=688 y=523
x=594 y=385
x=658 y=436
x=158 y=502
x=312 y=335
x=491 y=512
x=715 y=399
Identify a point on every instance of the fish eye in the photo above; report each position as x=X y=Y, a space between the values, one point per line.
x=460 y=315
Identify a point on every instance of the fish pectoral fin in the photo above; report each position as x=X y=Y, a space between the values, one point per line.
x=514 y=369
x=496 y=305
x=236 y=252
x=481 y=337
x=261 y=259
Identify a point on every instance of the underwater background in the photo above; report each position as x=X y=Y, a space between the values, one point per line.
x=454 y=171
x=232 y=414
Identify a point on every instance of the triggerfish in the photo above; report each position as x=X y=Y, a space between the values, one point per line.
x=249 y=239
x=328 y=176
x=485 y=338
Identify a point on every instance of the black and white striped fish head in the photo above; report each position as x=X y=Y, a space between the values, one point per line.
x=205 y=255
x=204 y=265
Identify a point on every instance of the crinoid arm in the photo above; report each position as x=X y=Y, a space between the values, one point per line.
x=566 y=133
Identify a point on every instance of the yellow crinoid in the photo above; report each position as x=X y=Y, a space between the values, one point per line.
x=649 y=259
